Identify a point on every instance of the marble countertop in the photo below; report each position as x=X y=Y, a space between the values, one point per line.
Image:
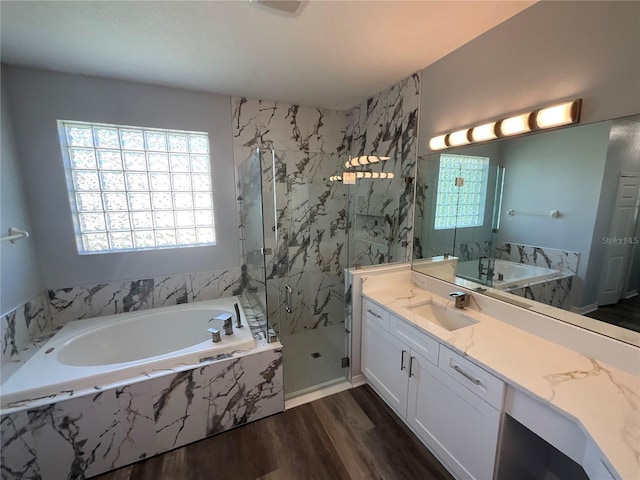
x=602 y=400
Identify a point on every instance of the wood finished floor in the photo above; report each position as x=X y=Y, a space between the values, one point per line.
x=625 y=313
x=350 y=435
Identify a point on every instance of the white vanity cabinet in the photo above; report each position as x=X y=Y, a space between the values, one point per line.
x=452 y=404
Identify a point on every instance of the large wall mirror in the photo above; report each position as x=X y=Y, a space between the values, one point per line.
x=546 y=221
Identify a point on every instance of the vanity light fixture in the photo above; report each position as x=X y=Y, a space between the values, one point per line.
x=485 y=132
x=558 y=115
x=438 y=143
x=461 y=137
x=515 y=125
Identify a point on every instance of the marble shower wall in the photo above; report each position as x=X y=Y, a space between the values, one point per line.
x=91 y=434
x=385 y=125
x=304 y=218
x=53 y=308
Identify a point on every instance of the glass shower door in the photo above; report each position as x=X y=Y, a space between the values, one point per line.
x=306 y=273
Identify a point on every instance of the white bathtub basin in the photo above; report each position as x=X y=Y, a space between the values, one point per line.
x=103 y=350
x=446 y=318
x=508 y=275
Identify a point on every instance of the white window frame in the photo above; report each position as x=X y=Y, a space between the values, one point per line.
x=136 y=188
x=461 y=206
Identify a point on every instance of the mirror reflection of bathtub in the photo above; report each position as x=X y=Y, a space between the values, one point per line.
x=507 y=275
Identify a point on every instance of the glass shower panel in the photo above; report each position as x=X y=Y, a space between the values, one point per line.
x=306 y=274
x=253 y=240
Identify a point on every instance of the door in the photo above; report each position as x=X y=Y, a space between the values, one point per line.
x=620 y=242
x=458 y=427
x=385 y=361
x=305 y=274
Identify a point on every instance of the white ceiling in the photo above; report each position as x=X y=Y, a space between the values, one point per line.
x=334 y=54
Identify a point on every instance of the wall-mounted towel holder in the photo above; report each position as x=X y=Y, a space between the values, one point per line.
x=15 y=234
x=553 y=213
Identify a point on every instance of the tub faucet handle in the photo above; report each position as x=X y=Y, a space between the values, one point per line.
x=227 y=322
x=215 y=334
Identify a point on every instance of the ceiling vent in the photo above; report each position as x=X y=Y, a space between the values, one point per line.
x=290 y=8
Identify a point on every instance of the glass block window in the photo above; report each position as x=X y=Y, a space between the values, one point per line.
x=462 y=191
x=135 y=188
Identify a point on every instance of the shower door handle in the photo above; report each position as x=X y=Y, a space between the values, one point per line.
x=288 y=294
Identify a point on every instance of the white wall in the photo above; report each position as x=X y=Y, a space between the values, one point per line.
x=20 y=278
x=550 y=51
x=39 y=98
x=556 y=170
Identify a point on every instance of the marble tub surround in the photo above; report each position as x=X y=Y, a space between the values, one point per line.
x=87 y=432
x=254 y=320
x=23 y=325
x=561 y=260
x=88 y=301
x=604 y=401
x=106 y=429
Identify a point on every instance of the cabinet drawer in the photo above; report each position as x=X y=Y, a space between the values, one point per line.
x=414 y=338
x=476 y=379
x=375 y=313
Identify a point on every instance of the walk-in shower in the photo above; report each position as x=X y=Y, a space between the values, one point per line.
x=294 y=247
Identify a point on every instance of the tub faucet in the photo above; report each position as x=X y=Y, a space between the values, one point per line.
x=238 y=322
x=227 y=322
x=462 y=299
x=481 y=268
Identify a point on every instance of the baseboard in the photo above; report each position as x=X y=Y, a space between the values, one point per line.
x=630 y=294
x=316 y=392
x=586 y=309
x=358 y=380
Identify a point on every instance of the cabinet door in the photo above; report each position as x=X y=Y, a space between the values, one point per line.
x=457 y=426
x=384 y=362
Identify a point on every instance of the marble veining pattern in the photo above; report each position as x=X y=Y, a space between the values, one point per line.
x=386 y=125
x=604 y=400
x=562 y=260
x=88 y=433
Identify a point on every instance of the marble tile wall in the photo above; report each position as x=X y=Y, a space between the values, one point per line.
x=561 y=260
x=556 y=293
x=304 y=213
x=97 y=432
x=385 y=125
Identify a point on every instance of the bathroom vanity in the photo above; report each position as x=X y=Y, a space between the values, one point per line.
x=480 y=392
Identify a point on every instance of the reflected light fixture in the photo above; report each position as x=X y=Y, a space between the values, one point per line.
x=485 y=132
x=558 y=115
x=515 y=125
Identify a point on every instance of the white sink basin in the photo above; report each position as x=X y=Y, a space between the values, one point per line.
x=446 y=318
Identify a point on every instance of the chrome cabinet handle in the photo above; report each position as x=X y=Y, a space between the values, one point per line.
x=402 y=360
x=475 y=381
x=373 y=313
x=411 y=359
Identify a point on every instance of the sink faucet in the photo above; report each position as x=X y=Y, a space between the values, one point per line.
x=462 y=299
